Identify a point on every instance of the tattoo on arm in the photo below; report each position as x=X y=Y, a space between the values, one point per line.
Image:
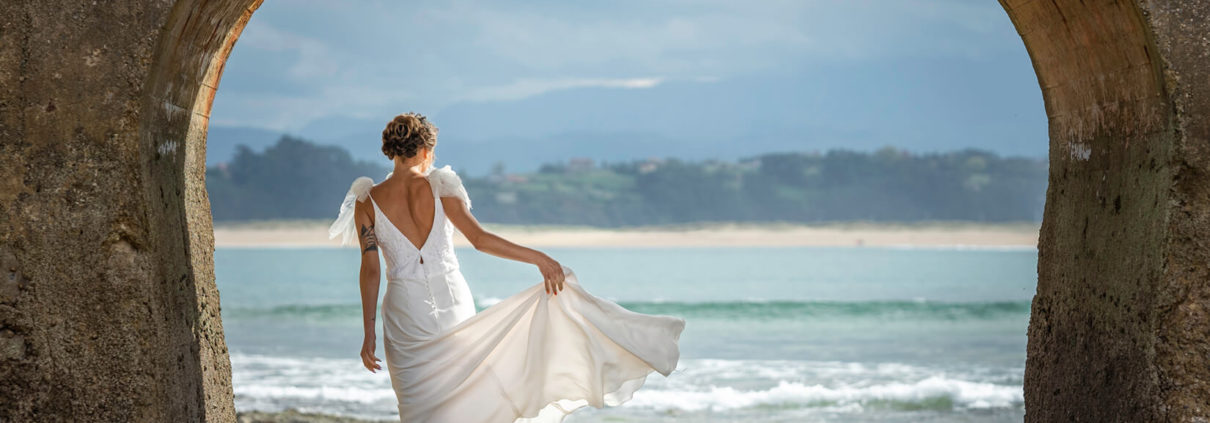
x=368 y=239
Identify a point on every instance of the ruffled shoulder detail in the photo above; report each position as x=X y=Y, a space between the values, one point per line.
x=345 y=225
x=447 y=183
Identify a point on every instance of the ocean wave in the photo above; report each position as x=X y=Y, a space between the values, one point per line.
x=307 y=380
x=961 y=247
x=698 y=385
x=746 y=309
x=934 y=393
x=315 y=393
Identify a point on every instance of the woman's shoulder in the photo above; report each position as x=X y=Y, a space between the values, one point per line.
x=445 y=177
x=360 y=189
x=344 y=225
x=362 y=185
x=442 y=172
x=447 y=183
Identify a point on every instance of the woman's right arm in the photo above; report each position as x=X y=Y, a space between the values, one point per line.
x=369 y=281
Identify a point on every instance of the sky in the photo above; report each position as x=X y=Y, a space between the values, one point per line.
x=545 y=80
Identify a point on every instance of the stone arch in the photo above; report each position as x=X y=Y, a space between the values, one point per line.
x=108 y=309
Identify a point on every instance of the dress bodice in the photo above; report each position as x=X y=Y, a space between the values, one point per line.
x=403 y=259
x=428 y=277
x=442 y=181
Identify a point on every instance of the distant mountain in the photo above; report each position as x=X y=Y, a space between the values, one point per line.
x=296 y=179
x=811 y=109
x=222 y=140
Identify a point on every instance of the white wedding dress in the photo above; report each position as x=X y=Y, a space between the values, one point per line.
x=532 y=357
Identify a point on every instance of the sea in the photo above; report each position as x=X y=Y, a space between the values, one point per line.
x=772 y=334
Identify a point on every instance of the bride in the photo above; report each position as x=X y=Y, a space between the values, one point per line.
x=536 y=356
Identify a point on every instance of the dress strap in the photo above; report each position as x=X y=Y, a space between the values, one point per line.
x=345 y=225
x=447 y=183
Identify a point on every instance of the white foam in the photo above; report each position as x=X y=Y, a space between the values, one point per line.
x=963 y=394
x=793 y=369
x=488 y=302
x=316 y=393
x=961 y=247
x=269 y=377
x=712 y=385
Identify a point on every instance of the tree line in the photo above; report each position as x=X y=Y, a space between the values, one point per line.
x=296 y=179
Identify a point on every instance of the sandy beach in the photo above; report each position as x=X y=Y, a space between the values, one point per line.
x=287 y=234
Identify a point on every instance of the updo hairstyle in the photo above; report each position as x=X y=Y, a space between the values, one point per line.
x=406 y=134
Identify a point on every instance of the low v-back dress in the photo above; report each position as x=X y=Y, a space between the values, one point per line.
x=532 y=357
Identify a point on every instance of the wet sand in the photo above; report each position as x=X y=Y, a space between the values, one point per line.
x=292 y=416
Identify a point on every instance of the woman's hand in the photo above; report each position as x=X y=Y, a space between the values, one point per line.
x=552 y=274
x=367 y=354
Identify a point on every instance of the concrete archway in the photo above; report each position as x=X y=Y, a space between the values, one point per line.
x=108 y=309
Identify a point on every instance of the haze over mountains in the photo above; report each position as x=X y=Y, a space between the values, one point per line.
x=815 y=110
x=526 y=84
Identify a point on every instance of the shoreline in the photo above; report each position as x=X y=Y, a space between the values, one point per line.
x=302 y=234
x=295 y=416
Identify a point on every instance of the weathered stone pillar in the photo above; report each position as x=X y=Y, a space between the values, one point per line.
x=1120 y=329
x=108 y=308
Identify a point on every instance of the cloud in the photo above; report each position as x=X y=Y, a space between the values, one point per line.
x=529 y=87
x=292 y=111
x=313 y=58
x=684 y=43
x=302 y=59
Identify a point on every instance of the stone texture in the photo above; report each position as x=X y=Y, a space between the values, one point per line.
x=108 y=309
x=12 y=346
x=1119 y=324
x=1182 y=331
x=104 y=224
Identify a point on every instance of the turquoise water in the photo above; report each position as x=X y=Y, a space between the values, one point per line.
x=772 y=334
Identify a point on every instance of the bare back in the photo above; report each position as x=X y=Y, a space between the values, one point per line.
x=408 y=202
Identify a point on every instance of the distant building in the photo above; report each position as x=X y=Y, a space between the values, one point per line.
x=650 y=165
x=579 y=164
x=749 y=164
x=506 y=197
x=497 y=174
x=506 y=178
